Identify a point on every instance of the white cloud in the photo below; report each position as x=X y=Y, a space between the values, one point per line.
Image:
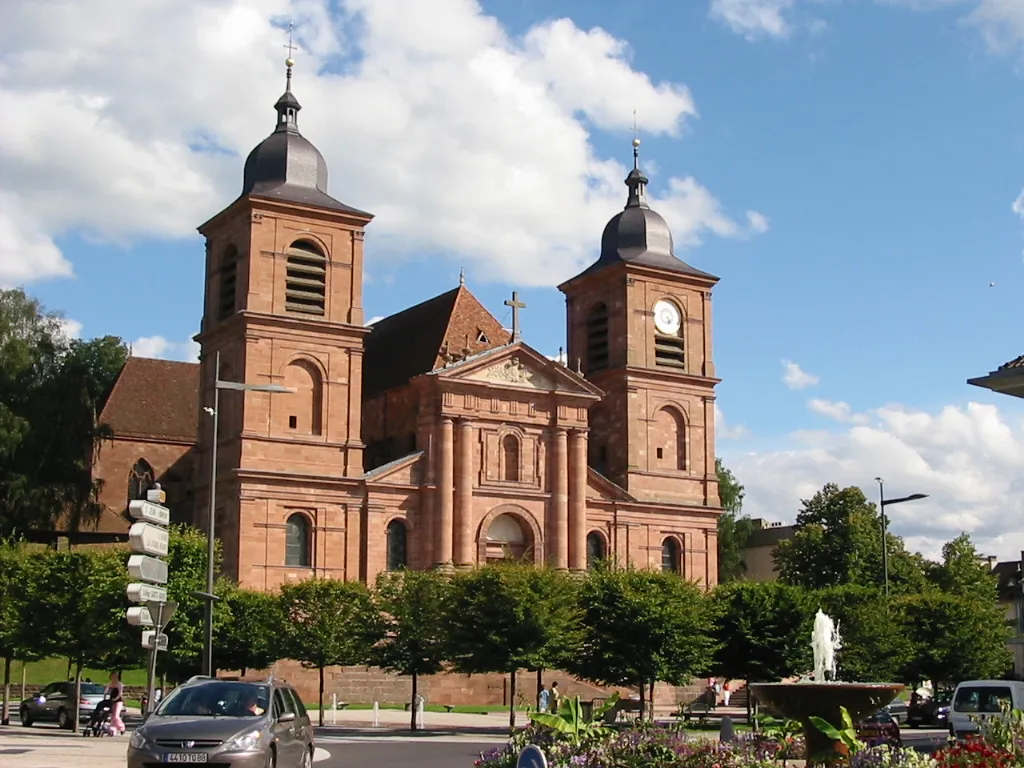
x=758 y=222
x=127 y=121
x=754 y=19
x=71 y=328
x=967 y=459
x=726 y=431
x=837 y=410
x=796 y=377
x=27 y=252
x=159 y=347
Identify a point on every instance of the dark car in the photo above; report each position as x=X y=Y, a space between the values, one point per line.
x=878 y=729
x=56 y=704
x=229 y=723
x=898 y=709
x=933 y=712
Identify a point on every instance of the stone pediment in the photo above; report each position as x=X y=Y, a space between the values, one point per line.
x=516 y=372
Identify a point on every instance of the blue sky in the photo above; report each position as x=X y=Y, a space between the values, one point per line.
x=884 y=145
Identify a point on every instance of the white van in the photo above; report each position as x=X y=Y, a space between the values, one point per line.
x=981 y=699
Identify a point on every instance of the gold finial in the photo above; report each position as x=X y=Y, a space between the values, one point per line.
x=636 y=142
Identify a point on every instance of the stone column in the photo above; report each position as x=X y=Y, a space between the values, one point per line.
x=578 y=500
x=464 y=494
x=559 y=524
x=445 y=490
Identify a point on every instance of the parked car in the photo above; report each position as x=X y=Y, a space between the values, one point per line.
x=898 y=709
x=231 y=723
x=982 y=699
x=880 y=728
x=56 y=704
x=933 y=712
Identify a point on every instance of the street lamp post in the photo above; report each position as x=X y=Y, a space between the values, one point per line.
x=210 y=598
x=882 y=504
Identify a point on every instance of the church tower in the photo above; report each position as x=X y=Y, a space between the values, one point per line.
x=639 y=326
x=283 y=306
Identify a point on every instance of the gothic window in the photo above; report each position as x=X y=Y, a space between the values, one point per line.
x=306 y=281
x=671 y=555
x=669 y=439
x=510 y=457
x=396 y=545
x=304 y=405
x=140 y=480
x=597 y=338
x=228 y=283
x=595 y=549
x=298 y=542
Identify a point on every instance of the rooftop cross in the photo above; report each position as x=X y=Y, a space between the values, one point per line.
x=291 y=48
x=516 y=305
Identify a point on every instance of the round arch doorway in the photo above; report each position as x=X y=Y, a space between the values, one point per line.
x=508 y=538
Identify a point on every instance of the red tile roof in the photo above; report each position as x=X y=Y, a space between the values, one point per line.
x=411 y=342
x=154 y=399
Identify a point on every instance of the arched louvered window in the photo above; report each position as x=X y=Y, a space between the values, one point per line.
x=228 y=294
x=597 y=338
x=306 y=279
x=397 y=545
x=298 y=542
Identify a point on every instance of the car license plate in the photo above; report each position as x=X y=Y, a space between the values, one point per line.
x=186 y=757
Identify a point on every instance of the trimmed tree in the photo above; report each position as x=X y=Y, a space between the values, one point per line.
x=14 y=622
x=412 y=607
x=328 y=623
x=507 y=617
x=250 y=635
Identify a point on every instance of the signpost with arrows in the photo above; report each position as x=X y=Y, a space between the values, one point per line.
x=149 y=541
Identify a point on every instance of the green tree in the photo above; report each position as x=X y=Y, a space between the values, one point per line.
x=838 y=541
x=15 y=623
x=956 y=638
x=328 y=623
x=412 y=607
x=963 y=572
x=250 y=630
x=763 y=630
x=734 y=529
x=641 y=627
x=507 y=617
x=875 y=643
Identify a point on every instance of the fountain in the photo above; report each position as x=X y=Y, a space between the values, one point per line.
x=824 y=696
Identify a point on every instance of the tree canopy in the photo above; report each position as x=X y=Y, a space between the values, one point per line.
x=734 y=528
x=962 y=571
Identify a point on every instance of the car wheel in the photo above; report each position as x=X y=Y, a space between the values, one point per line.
x=63 y=719
x=307 y=759
x=26 y=718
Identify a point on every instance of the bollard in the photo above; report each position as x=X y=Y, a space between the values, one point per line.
x=334 y=713
x=419 y=711
x=728 y=733
x=376 y=715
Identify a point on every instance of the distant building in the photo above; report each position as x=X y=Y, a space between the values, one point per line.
x=1011 y=595
x=759 y=553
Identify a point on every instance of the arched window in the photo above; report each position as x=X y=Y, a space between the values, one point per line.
x=140 y=480
x=510 y=457
x=597 y=338
x=396 y=545
x=595 y=549
x=669 y=439
x=302 y=409
x=506 y=539
x=306 y=280
x=227 y=296
x=670 y=555
x=298 y=542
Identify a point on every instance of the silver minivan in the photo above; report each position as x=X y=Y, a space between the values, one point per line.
x=981 y=699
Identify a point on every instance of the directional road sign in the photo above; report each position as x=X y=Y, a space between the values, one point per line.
x=149 y=512
x=139 y=616
x=149 y=539
x=145 y=593
x=146 y=568
x=147 y=640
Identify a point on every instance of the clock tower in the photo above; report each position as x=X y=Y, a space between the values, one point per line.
x=639 y=327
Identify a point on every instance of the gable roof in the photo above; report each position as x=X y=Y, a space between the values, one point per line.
x=154 y=399
x=411 y=342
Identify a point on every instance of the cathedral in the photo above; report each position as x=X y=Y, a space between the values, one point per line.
x=434 y=437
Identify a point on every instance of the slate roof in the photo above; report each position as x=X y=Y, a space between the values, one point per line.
x=154 y=399
x=410 y=343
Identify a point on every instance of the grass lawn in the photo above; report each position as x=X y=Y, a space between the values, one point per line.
x=54 y=670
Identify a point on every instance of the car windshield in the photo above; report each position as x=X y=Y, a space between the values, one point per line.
x=92 y=689
x=982 y=699
x=216 y=699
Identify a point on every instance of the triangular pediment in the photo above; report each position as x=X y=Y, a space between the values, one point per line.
x=518 y=365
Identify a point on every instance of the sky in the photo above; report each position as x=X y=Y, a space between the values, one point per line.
x=851 y=170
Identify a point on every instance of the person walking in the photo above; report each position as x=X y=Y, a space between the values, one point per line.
x=545 y=700
x=556 y=697
x=726 y=692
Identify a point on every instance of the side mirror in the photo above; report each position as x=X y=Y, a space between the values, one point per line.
x=287 y=717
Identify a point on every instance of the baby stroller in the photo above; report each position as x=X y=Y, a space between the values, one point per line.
x=100 y=722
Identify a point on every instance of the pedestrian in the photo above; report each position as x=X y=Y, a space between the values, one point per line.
x=727 y=692
x=555 y=697
x=544 y=700
x=116 y=723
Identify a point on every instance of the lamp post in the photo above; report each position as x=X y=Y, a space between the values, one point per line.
x=208 y=596
x=882 y=504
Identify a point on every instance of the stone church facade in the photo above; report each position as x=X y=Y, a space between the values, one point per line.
x=434 y=437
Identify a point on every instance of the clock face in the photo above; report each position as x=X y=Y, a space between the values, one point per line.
x=666 y=317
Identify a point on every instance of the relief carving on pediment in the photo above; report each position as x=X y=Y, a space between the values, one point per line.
x=512 y=371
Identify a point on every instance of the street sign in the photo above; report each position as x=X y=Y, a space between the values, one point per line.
x=531 y=757
x=149 y=512
x=145 y=593
x=139 y=616
x=163 y=611
x=149 y=539
x=147 y=640
x=146 y=568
